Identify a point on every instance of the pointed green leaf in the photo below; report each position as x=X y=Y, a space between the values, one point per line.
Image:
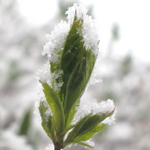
x=72 y=135
x=93 y=121
x=88 y=135
x=78 y=80
x=46 y=121
x=85 y=126
x=75 y=86
x=56 y=107
x=72 y=54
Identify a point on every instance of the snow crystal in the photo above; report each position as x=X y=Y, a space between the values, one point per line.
x=90 y=34
x=44 y=75
x=90 y=28
x=93 y=107
x=56 y=41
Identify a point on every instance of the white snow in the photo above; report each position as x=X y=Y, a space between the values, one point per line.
x=80 y=12
x=56 y=41
x=90 y=28
x=93 y=108
x=44 y=75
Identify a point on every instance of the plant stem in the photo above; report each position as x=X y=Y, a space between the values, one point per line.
x=57 y=147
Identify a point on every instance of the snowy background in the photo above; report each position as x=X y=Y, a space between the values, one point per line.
x=124 y=69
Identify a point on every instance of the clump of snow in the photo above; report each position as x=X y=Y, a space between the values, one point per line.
x=90 y=34
x=44 y=75
x=79 y=10
x=89 y=30
x=93 y=108
x=56 y=41
x=110 y=120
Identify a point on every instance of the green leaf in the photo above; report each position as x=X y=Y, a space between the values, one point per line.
x=88 y=135
x=75 y=87
x=72 y=135
x=72 y=54
x=93 y=121
x=86 y=125
x=46 y=121
x=86 y=128
x=78 y=80
x=56 y=107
